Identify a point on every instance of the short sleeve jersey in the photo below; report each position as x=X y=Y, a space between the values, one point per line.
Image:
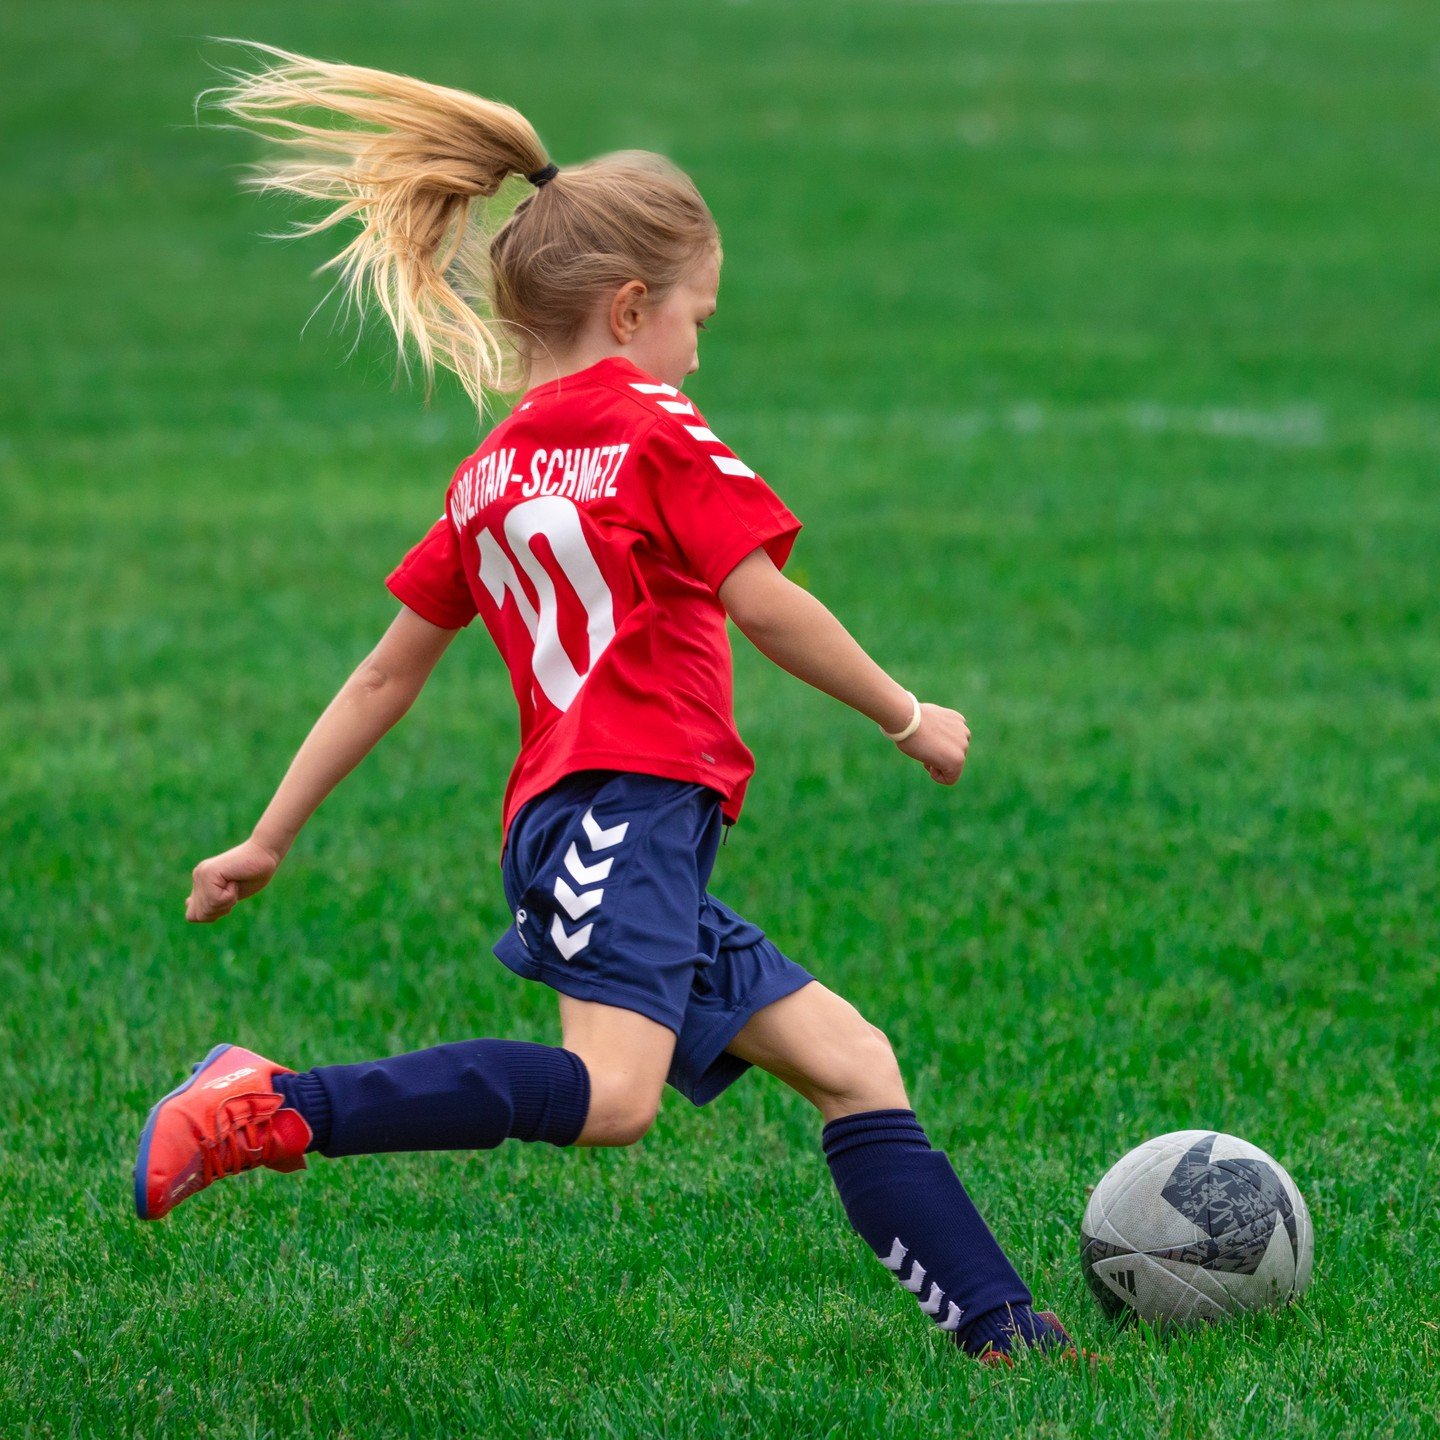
x=591 y=533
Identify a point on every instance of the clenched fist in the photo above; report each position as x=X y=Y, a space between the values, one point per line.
x=940 y=744
x=221 y=882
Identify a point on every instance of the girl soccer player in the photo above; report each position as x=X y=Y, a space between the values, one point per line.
x=603 y=533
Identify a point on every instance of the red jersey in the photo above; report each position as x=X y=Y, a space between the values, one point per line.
x=591 y=532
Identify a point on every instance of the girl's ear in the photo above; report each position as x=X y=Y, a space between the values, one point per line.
x=627 y=310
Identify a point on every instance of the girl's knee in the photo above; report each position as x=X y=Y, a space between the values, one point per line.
x=628 y=1057
x=621 y=1112
x=618 y=1128
x=857 y=1070
x=875 y=1070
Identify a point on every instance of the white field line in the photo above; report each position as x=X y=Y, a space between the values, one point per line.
x=1285 y=427
x=965 y=4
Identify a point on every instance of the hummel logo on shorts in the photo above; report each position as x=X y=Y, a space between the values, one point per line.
x=577 y=903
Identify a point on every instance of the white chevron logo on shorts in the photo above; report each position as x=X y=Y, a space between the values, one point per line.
x=576 y=905
x=602 y=839
x=570 y=945
x=583 y=873
x=935 y=1300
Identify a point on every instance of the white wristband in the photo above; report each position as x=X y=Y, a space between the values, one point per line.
x=898 y=735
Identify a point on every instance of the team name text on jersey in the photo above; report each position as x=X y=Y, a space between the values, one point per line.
x=583 y=473
x=480 y=484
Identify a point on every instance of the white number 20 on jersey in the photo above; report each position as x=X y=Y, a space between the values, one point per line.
x=557 y=519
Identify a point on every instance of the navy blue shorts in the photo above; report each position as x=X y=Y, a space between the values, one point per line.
x=606 y=874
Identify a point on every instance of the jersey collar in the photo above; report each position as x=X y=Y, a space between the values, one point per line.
x=611 y=368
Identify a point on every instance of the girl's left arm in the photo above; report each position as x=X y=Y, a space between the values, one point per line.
x=381 y=690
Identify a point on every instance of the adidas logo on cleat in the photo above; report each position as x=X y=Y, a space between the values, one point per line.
x=229 y=1079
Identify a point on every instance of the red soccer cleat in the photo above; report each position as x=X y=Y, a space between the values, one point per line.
x=994 y=1357
x=1068 y=1350
x=227 y=1117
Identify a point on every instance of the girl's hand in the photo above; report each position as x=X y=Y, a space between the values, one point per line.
x=369 y=703
x=222 y=881
x=940 y=744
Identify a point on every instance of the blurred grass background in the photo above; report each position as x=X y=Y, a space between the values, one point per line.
x=1096 y=345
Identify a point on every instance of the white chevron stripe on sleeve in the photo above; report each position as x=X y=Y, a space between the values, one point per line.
x=654 y=389
x=570 y=945
x=587 y=874
x=952 y=1317
x=896 y=1257
x=916 y=1283
x=731 y=466
x=576 y=905
x=678 y=407
x=601 y=839
x=933 y=1301
x=703 y=432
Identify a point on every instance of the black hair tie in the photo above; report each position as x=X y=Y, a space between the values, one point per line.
x=543 y=177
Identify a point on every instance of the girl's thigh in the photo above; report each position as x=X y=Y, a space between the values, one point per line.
x=821 y=1046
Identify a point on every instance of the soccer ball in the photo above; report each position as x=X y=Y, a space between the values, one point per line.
x=1195 y=1226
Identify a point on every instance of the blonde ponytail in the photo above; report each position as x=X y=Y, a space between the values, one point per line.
x=408 y=168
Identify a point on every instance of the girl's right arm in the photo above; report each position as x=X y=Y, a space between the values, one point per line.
x=380 y=691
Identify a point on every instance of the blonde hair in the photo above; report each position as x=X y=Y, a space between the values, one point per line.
x=409 y=166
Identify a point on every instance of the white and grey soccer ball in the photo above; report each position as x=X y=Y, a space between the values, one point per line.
x=1195 y=1226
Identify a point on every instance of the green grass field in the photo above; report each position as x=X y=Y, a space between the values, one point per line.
x=1096 y=345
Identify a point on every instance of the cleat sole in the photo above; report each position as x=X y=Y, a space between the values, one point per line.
x=142 y=1160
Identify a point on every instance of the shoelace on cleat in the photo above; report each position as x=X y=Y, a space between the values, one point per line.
x=235 y=1148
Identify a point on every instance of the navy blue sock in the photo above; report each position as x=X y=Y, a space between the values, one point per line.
x=908 y=1205
x=470 y=1095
